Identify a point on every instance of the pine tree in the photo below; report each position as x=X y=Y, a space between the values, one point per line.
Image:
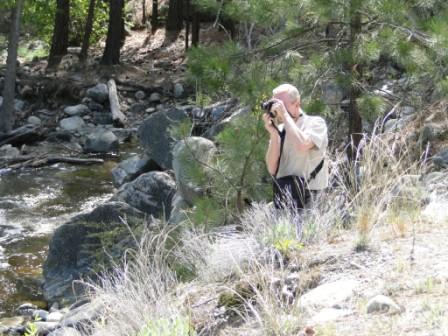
x=309 y=43
x=312 y=42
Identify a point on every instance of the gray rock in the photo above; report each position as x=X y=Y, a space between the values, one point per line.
x=27 y=309
x=188 y=155
x=101 y=141
x=103 y=118
x=99 y=93
x=140 y=95
x=65 y=332
x=381 y=304
x=178 y=207
x=55 y=316
x=33 y=120
x=9 y=151
x=150 y=193
x=150 y=110
x=72 y=123
x=178 y=90
x=137 y=108
x=73 y=249
x=154 y=135
x=329 y=295
x=81 y=315
x=441 y=158
x=198 y=113
x=154 y=97
x=95 y=107
x=44 y=328
x=217 y=128
x=76 y=110
x=220 y=110
x=40 y=315
x=131 y=168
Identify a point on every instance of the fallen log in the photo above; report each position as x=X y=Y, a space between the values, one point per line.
x=39 y=161
x=118 y=117
x=22 y=135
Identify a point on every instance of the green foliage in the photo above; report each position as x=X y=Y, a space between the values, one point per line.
x=282 y=236
x=38 y=19
x=371 y=107
x=178 y=326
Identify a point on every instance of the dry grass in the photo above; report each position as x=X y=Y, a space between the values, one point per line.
x=380 y=190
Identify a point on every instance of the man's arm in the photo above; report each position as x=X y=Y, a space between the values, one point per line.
x=273 y=153
x=301 y=140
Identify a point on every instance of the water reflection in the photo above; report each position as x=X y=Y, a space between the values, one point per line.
x=32 y=204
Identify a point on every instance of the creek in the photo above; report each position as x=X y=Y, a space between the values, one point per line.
x=33 y=203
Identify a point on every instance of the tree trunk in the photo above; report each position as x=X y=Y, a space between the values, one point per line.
x=187 y=23
x=195 y=27
x=174 y=21
x=87 y=31
x=143 y=12
x=355 y=71
x=155 y=15
x=59 y=42
x=115 y=33
x=7 y=108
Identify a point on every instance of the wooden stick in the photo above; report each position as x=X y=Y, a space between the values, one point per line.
x=39 y=161
x=119 y=119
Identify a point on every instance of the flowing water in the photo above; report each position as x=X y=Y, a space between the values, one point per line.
x=33 y=203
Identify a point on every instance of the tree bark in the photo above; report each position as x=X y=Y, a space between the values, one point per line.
x=115 y=33
x=155 y=15
x=174 y=21
x=7 y=108
x=87 y=31
x=59 y=42
x=195 y=27
x=355 y=71
x=143 y=12
x=187 y=23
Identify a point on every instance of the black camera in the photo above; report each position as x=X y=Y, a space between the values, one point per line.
x=267 y=105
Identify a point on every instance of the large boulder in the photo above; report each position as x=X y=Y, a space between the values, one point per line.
x=131 y=168
x=101 y=141
x=151 y=193
x=76 y=110
x=155 y=138
x=72 y=124
x=76 y=245
x=99 y=93
x=189 y=155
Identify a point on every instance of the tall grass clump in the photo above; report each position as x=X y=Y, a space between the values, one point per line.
x=382 y=186
x=136 y=297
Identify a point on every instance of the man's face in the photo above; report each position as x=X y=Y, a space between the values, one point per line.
x=293 y=108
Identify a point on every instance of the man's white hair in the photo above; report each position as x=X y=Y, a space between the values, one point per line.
x=291 y=90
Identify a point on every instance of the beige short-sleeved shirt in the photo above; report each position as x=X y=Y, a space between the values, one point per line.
x=302 y=163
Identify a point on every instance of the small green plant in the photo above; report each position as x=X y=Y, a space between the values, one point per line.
x=179 y=326
x=282 y=236
x=31 y=328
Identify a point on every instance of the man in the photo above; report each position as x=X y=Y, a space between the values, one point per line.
x=304 y=145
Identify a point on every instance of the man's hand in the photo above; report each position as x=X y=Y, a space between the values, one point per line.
x=269 y=125
x=279 y=108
